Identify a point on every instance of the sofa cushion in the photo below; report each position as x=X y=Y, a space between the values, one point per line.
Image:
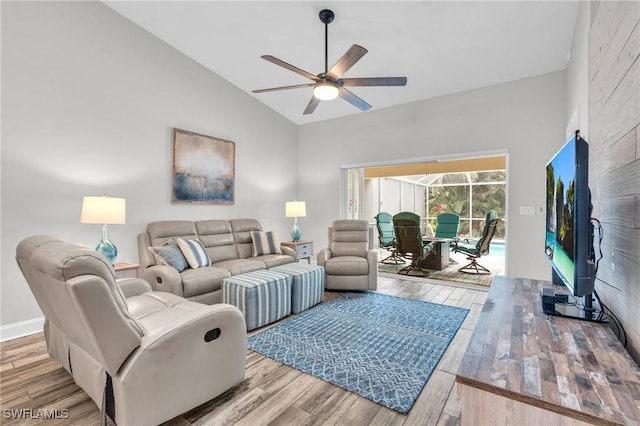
x=350 y=238
x=170 y=255
x=153 y=309
x=265 y=243
x=347 y=265
x=241 y=266
x=217 y=237
x=242 y=235
x=202 y=280
x=272 y=260
x=194 y=252
x=161 y=232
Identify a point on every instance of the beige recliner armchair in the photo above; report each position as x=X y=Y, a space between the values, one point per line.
x=348 y=262
x=143 y=356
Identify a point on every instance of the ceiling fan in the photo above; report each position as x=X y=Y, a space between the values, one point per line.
x=329 y=84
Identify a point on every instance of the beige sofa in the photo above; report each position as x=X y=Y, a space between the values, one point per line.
x=228 y=244
x=144 y=357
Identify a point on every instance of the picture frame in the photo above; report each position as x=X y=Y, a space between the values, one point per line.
x=203 y=169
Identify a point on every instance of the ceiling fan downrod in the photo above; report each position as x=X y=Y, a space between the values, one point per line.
x=326 y=17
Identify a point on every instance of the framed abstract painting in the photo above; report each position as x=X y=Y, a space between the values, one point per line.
x=203 y=169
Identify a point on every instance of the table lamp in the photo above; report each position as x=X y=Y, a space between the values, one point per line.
x=295 y=209
x=107 y=211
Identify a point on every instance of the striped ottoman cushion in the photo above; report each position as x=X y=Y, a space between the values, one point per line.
x=262 y=296
x=307 y=288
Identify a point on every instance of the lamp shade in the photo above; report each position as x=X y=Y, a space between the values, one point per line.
x=295 y=209
x=325 y=91
x=103 y=210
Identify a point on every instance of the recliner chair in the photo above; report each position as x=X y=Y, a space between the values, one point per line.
x=348 y=262
x=143 y=356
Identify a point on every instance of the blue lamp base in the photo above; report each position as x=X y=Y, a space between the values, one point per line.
x=106 y=247
x=296 y=233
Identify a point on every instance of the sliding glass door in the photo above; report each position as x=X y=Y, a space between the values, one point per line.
x=352 y=193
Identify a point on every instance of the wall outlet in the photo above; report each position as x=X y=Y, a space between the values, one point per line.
x=527 y=211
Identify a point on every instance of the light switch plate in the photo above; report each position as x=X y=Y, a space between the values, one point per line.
x=527 y=211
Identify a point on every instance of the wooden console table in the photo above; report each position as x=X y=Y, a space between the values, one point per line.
x=523 y=367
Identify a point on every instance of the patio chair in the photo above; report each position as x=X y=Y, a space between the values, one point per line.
x=474 y=249
x=409 y=240
x=387 y=238
x=447 y=226
x=415 y=218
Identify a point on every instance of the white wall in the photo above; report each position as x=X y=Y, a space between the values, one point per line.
x=408 y=198
x=371 y=199
x=88 y=104
x=578 y=74
x=525 y=117
x=389 y=196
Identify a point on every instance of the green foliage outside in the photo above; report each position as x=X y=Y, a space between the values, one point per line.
x=471 y=201
x=550 y=183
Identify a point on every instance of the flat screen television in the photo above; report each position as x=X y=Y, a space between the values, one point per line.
x=569 y=230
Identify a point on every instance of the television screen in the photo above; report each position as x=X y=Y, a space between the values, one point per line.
x=569 y=233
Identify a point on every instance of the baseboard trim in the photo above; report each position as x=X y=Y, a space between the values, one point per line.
x=21 y=329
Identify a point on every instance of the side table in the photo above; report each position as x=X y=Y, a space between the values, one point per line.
x=303 y=249
x=126 y=270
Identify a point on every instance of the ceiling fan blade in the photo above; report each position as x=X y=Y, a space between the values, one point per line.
x=375 y=81
x=290 y=67
x=311 y=106
x=353 y=99
x=350 y=57
x=273 y=89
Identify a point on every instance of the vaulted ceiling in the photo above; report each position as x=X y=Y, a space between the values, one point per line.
x=442 y=47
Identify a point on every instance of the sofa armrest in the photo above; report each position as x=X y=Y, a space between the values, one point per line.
x=144 y=255
x=372 y=258
x=289 y=252
x=323 y=256
x=202 y=353
x=164 y=278
x=133 y=286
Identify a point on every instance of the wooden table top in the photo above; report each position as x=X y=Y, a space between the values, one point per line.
x=439 y=239
x=576 y=368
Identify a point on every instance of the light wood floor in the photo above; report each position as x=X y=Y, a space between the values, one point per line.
x=271 y=394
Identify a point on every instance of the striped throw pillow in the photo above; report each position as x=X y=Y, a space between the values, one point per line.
x=265 y=243
x=194 y=252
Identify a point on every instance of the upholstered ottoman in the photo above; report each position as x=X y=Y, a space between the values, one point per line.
x=262 y=296
x=307 y=288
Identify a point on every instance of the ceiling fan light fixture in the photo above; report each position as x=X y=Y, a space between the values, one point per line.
x=325 y=91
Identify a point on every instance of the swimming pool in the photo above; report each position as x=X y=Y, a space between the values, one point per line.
x=497 y=248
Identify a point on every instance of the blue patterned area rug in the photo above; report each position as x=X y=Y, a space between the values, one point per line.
x=381 y=347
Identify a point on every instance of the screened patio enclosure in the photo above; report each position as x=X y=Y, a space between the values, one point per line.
x=468 y=186
x=470 y=195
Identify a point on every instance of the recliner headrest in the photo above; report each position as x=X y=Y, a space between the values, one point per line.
x=63 y=260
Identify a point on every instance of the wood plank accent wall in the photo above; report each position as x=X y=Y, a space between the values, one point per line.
x=614 y=161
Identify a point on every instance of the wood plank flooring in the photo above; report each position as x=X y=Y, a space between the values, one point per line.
x=271 y=394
